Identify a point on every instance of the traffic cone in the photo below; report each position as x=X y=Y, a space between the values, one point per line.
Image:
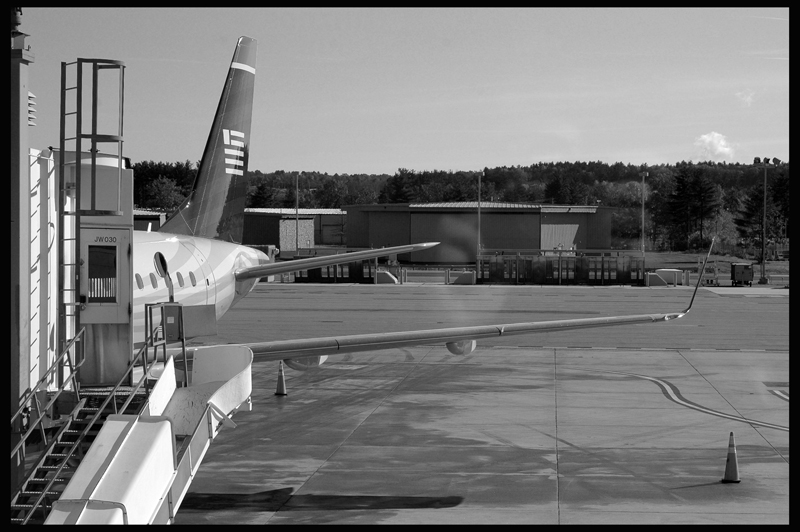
x=281 y=383
x=731 y=464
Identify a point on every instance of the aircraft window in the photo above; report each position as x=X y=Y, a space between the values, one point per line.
x=180 y=278
x=139 y=282
x=153 y=280
x=191 y=276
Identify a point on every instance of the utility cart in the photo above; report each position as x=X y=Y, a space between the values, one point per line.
x=741 y=273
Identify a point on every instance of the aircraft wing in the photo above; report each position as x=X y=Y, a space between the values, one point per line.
x=456 y=338
x=459 y=340
x=275 y=268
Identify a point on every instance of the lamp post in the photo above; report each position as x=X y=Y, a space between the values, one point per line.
x=479 y=216
x=644 y=174
x=765 y=165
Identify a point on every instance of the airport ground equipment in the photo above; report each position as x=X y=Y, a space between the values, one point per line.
x=741 y=273
x=709 y=274
x=779 y=279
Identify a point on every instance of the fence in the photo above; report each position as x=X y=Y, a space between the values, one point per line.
x=600 y=267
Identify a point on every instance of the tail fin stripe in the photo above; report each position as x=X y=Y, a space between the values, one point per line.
x=246 y=68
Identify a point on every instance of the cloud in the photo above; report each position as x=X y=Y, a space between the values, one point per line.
x=714 y=146
x=746 y=96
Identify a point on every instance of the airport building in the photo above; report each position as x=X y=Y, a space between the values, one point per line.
x=148 y=220
x=277 y=227
x=506 y=227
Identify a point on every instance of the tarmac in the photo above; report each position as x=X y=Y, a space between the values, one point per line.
x=625 y=424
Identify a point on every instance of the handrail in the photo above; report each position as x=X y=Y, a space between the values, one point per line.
x=112 y=393
x=51 y=369
x=89 y=426
x=146 y=371
x=146 y=374
x=150 y=341
x=45 y=454
x=32 y=425
x=113 y=504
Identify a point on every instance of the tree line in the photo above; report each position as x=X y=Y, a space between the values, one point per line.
x=685 y=204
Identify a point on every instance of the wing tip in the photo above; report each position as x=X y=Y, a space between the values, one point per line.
x=699 y=278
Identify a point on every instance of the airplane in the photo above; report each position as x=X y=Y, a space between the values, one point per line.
x=201 y=245
x=196 y=258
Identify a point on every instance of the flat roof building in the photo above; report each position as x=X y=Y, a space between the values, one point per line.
x=503 y=226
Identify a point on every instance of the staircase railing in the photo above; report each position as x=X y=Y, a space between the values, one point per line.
x=64 y=360
x=31 y=399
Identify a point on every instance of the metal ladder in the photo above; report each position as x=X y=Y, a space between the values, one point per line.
x=70 y=198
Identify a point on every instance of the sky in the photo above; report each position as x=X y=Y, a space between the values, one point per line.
x=352 y=91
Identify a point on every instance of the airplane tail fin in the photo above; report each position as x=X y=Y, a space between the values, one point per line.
x=215 y=206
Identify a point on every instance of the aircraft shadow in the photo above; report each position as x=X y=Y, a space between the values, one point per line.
x=282 y=499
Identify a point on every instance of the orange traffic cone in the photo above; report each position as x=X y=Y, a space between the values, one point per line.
x=281 y=383
x=732 y=463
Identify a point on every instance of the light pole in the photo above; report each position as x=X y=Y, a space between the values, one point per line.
x=479 y=215
x=765 y=165
x=644 y=174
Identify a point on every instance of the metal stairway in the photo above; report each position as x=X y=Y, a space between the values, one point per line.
x=60 y=459
x=55 y=465
x=51 y=470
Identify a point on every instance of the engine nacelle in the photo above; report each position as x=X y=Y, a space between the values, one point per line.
x=305 y=363
x=463 y=347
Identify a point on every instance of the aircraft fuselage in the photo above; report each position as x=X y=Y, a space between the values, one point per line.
x=201 y=271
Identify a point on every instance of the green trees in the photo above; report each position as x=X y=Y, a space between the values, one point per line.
x=408 y=186
x=693 y=201
x=685 y=203
x=751 y=217
x=158 y=185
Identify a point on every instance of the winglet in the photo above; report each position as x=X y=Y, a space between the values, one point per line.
x=699 y=278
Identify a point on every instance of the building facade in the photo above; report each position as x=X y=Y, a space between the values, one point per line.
x=503 y=226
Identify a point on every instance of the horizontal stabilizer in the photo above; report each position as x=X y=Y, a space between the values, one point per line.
x=276 y=268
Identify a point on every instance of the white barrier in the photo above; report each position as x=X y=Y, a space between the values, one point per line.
x=124 y=475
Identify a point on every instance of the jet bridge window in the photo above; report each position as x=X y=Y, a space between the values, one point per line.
x=102 y=274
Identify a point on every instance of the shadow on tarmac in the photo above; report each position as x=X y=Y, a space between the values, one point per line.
x=282 y=499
